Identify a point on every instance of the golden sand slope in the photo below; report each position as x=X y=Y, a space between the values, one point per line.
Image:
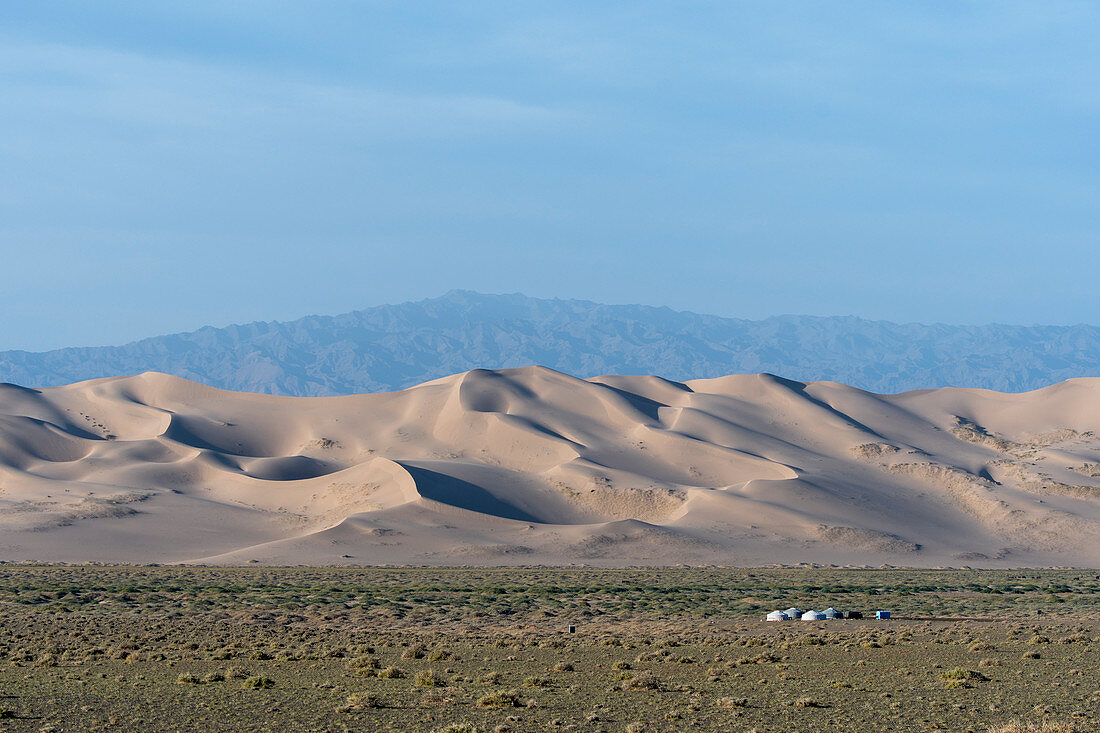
x=534 y=466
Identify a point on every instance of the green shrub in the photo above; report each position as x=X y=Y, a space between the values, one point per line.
x=428 y=678
x=258 y=682
x=391 y=673
x=500 y=699
x=416 y=651
x=362 y=701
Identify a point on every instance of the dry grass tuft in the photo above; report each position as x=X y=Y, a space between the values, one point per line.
x=500 y=699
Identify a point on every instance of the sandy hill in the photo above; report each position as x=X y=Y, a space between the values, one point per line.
x=531 y=465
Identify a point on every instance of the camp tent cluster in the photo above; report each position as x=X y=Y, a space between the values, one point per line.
x=797 y=614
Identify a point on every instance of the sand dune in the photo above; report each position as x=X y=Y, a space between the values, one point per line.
x=535 y=466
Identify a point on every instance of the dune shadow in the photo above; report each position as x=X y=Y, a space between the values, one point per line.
x=800 y=389
x=463 y=494
x=19 y=388
x=187 y=431
x=646 y=406
x=287 y=468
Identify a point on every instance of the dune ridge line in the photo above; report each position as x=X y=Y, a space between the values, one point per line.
x=531 y=465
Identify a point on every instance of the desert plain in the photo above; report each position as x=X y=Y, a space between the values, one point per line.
x=462 y=650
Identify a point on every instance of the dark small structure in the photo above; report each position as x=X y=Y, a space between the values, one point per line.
x=854 y=614
x=882 y=615
x=571 y=629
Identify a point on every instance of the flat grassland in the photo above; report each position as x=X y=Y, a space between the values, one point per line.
x=241 y=649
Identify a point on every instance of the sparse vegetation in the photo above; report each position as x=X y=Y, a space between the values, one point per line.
x=459 y=728
x=420 y=649
x=1046 y=726
x=428 y=678
x=258 y=682
x=362 y=701
x=500 y=699
x=391 y=673
x=961 y=673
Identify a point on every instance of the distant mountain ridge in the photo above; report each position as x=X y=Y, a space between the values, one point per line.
x=394 y=346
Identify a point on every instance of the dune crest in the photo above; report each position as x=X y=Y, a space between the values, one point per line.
x=531 y=465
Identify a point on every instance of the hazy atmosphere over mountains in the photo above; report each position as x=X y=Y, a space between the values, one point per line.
x=394 y=346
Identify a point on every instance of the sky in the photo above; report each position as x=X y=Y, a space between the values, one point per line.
x=169 y=165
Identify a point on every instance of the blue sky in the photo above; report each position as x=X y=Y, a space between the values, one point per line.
x=173 y=164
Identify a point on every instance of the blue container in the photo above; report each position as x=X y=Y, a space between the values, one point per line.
x=882 y=615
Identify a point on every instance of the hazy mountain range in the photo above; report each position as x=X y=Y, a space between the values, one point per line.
x=394 y=346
